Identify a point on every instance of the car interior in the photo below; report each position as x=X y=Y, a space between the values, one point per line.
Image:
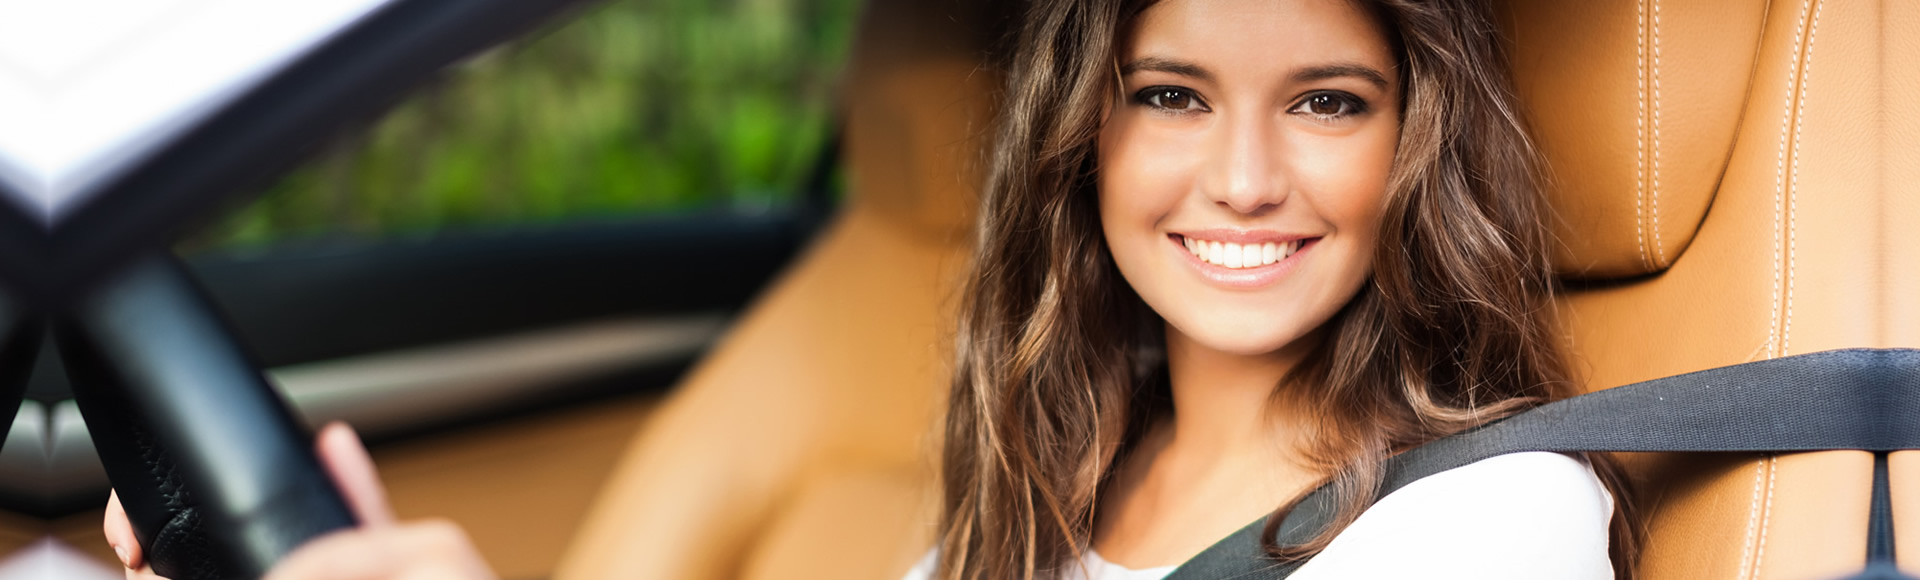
x=1730 y=181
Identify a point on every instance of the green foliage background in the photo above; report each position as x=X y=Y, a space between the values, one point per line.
x=631 y=106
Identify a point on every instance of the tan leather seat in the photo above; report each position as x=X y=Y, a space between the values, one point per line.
x=1728 y=191
x=801 y=447
x=1716 y=164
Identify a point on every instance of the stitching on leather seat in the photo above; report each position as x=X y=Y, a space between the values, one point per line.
x=1787 y=186
x=1753 y=524
x=1653 y=197
x=1792 y=210
x=1779 y=180
x=1766 y=514
x=1793 y=190
x=1640 y=132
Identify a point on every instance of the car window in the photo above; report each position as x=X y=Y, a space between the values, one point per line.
x=631 y=107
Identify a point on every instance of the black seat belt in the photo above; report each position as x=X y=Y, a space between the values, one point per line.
x=1866 y=399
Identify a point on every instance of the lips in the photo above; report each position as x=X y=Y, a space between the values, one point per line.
x=1243 y=260
x=1236 y=255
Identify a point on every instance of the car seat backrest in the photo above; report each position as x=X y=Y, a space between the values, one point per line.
x=802 y=446
x=1715 y=165
x=916 y=102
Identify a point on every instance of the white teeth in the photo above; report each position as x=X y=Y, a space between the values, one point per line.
x=1233 y=255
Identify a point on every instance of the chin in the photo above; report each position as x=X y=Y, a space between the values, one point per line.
x=1245 y=337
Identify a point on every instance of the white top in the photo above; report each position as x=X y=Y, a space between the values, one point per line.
x=1518 y=516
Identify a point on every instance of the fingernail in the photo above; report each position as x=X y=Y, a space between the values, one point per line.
x=121 y=551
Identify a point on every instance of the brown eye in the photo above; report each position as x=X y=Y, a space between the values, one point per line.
x=1170 y=99
x=1330 y=105
x=1324 y=105
x=1173 y=99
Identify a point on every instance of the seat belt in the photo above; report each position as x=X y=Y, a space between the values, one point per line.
x=1866 y=399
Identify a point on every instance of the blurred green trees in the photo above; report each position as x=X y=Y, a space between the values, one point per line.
x=631 y=106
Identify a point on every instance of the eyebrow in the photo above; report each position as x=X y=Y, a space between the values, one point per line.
x=1340 y=70
x=1310 y=74
x=1170 y=66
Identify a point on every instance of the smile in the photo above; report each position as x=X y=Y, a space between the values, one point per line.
x=1252 y=262
x=1236 y=256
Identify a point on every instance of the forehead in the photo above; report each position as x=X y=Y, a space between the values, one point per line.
x=1233 y=37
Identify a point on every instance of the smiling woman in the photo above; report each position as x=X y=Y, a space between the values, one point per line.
x=1233 y=251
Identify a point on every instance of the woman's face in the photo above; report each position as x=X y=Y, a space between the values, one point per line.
x=1243 y=173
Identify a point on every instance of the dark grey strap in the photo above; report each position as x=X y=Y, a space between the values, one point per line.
x=1844 y=399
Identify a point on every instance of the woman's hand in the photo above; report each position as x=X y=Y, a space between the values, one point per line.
x=379 y=549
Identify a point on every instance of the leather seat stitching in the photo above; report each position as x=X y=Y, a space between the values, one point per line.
x=1640 y=133
x=1753 y=523
x=1779 y=180
x=1793 y=191
x=1653 y=197
x=1756 y=524
x=1797 y=95
x=1766 y=517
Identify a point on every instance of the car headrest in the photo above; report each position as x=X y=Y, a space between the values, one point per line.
x=918 y=110
x=1635 y=105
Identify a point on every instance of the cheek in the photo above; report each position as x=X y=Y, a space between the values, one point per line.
x=1349 y=178
x=1142 y=178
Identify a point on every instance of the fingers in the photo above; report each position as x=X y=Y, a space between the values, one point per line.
x=119 y=532
x=352 y=470
x=427 y=549
x=379 y=549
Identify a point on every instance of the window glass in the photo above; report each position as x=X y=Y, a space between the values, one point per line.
x=630 y=106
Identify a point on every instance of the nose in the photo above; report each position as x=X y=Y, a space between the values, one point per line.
x=1246 y=174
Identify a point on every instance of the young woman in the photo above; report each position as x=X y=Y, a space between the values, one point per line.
x=1232 y=250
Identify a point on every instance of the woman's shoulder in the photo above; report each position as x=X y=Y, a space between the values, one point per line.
x=1535 y=476
x=1523 y=515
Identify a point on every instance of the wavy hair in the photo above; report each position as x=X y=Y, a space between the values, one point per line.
x=1060 y=366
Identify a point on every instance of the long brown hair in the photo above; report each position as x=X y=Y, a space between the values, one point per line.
x=1060 y=366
